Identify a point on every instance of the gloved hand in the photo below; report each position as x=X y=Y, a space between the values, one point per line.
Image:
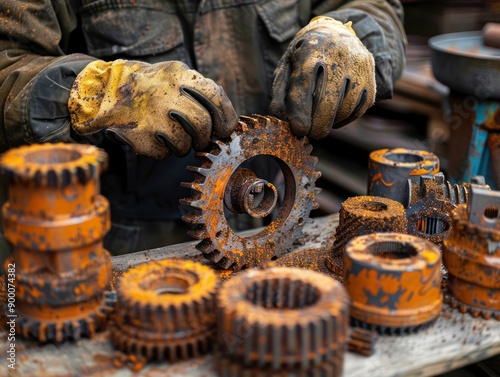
x=155 y=108
x=325 y=79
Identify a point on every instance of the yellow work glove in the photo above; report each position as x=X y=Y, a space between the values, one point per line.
x=155 y=108
x=325 y=79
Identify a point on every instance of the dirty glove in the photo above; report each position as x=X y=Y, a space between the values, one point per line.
x=155 y=108
x=325 y=79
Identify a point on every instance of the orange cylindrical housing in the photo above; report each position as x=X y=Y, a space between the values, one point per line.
x=55 y=221
x=394 y=280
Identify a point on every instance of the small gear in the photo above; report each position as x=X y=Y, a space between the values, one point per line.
x=55 y=221
x=165 y=310
x=362 y=215
x=362 y=341
x=282 y=319
x=221 y=183
x=394 y=281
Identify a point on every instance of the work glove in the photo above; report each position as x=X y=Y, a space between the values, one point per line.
x=325 y=79
x=157 y=109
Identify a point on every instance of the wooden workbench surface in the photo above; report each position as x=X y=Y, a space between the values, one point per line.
x=455 y=340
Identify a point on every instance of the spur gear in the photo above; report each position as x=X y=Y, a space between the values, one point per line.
x=281 y=320
x=165 y=310
x=55 y=221
x=221 y=183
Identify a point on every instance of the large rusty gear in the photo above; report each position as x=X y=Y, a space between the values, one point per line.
x=55 y=221
x=219 y=183
x=281 y=320
x=394 y=281
x=165 y=310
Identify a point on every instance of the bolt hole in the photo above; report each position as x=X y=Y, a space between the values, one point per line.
x=218 y=234
x=375 y=206
x=392 y=250
x=301 y=221
x=403 y=157
x=307 y=186
x=491 y=213
x=274 y=257
x=255 y=141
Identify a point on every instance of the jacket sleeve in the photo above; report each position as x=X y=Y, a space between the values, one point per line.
x=35 y=74
x=379 y=25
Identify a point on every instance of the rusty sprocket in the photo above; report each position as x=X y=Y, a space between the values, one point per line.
x=215 y=181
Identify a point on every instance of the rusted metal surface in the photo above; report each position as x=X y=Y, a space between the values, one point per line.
x=218 y=184
x=390 y=170
x=394 y=281
x=494 y=146
x=55 y=221
x=281 y=320
x=472 y=255
x=362 y=341
x=362 y=215
x=165 y=310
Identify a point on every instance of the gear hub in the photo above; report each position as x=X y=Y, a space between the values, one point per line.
x=165 y=310
x=394 y=281
x=281 y=320
x=472 y=255
x=222 y=184
x=55 y=221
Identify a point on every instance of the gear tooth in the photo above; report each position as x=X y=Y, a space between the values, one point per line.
x=224 y=262
x=193 y=186
x=315 y=205
x=193 y=218
x=206 y=155
x=199 y=234
x=206 y=246
x=317 y=190
x=195 y=169
x=308 y=149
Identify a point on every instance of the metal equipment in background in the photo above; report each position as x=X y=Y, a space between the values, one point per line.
x=55 y=221
x=221 y=184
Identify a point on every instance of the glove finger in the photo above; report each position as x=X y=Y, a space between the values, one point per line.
x=213 y=98
x=195 y=119
x=281 y=84
x=175 y=138
x=361 y=106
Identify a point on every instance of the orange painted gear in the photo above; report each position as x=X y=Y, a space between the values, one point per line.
x=55 y=221
x=394 y=281
x=165 y=310
x=282 y=319
x=472 y=256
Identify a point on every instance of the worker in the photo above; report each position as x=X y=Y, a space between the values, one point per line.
x=151 y=80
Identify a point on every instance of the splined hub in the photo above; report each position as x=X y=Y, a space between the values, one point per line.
x=220 y=182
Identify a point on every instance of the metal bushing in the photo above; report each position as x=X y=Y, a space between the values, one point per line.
x=165 y=310
x=394 y=281
x=221 y=185
x=472 y=255
x=55 y=221
x=362 y=215
x=282 y=320
x=390 y=169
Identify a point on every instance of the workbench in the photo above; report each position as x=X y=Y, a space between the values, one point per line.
x=455 y=340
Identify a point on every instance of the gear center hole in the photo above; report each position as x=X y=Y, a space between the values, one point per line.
x=392 y=250
x=171 y=285
x=282 y=294
x=403 y=157
x=52 y=156
x=375 y=206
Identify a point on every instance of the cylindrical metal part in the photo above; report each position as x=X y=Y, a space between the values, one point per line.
x=55 y=221
x=165 y=310
x=394 y=281
x=390 y=169
x=282 y=320
x=472 y=256
x=362 y=215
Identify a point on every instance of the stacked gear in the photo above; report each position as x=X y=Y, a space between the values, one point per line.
x=55 y=221
x=282 y=321
x=391 y=170
x=362 y=215
x=472 y=255
x=165 y=310
x=221 y=184
x=394 y=281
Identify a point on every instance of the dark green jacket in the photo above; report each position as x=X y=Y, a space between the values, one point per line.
x=46 y=43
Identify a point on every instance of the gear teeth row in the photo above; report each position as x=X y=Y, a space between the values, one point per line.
x=393 y=331
x=69 y=164
x=474 y=312
x=63 y=330
x=254 y=304
x=254 y=136
x=165 y=310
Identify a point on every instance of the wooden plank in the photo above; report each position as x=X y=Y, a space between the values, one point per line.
x=455 y=340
